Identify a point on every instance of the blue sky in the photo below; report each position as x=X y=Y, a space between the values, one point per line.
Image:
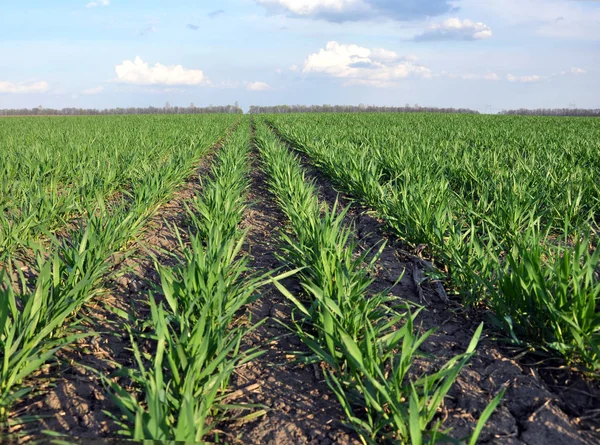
x=479 y=54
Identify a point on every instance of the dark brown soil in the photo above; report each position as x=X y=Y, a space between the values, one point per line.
x=300 y=407
x=542 y=406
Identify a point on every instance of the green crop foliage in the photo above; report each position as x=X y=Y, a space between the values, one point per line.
x=73 y=260
x=53 y=168
x=368 y=342
x=507 y=206
x=182 y=383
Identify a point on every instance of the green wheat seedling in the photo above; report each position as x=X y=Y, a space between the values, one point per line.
x=53 y=169
x=366 y=341
x=73 y=265
x=32 y=325
x=182 y=385
x=490 y=198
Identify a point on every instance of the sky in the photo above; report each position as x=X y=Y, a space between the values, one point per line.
x=487 y=55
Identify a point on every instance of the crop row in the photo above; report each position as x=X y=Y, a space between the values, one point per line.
x=39 y=314
x=189 y=347
x=55 y=169
x=507 y=208
x=366 y=341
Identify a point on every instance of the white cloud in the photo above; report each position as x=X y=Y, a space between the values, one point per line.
x=257 y=86
x=362 y=66
x=456 y=29
x=91 y=91
x=95 y=3
x=576 y=70
x=524 y=79
x=23 y=87
x=141 y=73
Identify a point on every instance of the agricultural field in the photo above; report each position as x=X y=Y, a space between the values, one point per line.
x=303 y=278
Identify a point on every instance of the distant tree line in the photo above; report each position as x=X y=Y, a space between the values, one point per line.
x=354 y=109
x=554 y=112
x=278 y=109
x=167 y=109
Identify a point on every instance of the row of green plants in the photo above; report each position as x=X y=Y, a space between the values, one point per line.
x=507 y=207
x=367 y=342
x=53 y=169
x=39 y=313
x=189 y=347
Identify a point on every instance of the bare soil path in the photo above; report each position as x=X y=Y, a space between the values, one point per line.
x=300 y=407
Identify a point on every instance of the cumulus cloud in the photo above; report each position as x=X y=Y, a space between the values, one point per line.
x=523 y=79
x=576 y=70
x=23 y=87
x=455 y=29
x=141 y=73
x=257 y=86
x=356 y=10
x=96 y=3
x=363 y=66
x=92 y=91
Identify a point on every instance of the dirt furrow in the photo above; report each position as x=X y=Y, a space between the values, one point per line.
x=535 y=410
x=300 y=407
x=72 y=400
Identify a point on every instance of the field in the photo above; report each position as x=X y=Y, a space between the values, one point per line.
x=302 y=278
